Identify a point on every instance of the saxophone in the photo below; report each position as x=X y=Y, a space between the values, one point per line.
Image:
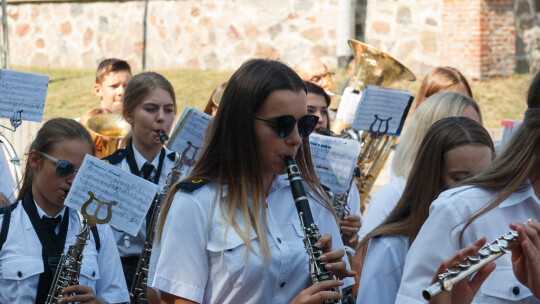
x=69 y=267
x=137 y=292
x=471 y=264
x=310 y=229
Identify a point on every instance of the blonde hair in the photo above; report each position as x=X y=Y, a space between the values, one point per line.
x=435 y=107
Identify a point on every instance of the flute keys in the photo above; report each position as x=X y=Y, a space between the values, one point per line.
x=475 y=258
x=494 y=248
x=483 y=252
x=502 y=243
x=464 y=264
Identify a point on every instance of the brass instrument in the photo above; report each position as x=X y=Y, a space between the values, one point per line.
x=112 y=128
x=69 y=267
x=372 y=67
x=464 y=268
x=138 y=290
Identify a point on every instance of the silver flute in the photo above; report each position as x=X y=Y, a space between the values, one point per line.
x=471 y=264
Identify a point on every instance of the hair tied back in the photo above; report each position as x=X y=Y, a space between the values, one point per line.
x=532 y=118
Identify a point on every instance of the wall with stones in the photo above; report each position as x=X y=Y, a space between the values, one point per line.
x=408 y=30
x=527 y=27
x=199 y=34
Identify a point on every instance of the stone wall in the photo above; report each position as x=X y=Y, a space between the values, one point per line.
x=199 y=34
x=408 y=30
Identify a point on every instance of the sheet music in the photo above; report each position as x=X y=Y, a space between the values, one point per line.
x=22 y=94
x=133 y=195
x=334 y=159
x=188 y=137
x=380 y=107
x=348 y=105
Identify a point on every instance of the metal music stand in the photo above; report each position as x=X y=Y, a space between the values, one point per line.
x=15 y=121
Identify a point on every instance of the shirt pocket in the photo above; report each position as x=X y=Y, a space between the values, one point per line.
x=15 y=277
x=230 y=257
x=504 y=286
x=89 y=273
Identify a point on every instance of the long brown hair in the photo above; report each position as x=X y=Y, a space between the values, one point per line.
x=51 y=133
x=440 y=79
x=517 y=162
x=425 y=182
x=230 y=155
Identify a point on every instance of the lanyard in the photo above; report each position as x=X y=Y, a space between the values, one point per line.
x=130 y=157
x=51 y=250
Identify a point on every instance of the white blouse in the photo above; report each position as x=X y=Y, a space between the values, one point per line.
x=195 y=261
x=438 y=240
x=381 y=204
x=382 y=270
x=21 y=261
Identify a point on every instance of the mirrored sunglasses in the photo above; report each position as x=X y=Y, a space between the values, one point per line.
x=64 y=169
x=284 y=125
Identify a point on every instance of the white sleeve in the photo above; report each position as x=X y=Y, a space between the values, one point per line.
x=182 y=264
x=437 y=241
x=380 y=206
x=382 y=271
x=111 y=286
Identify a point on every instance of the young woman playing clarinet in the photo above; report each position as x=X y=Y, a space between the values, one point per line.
x=38 y=228
x=149 y=107
x=507 y=191
x=453 y=149
x=230 y=232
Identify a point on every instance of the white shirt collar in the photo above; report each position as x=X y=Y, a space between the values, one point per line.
x=140 y=160
x=520 y=196
x=42 y=213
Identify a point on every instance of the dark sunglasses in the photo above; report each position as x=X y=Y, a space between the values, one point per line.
x=284 y=125
x=64 y=169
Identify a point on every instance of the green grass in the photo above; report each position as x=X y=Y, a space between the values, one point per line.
x=70 y=92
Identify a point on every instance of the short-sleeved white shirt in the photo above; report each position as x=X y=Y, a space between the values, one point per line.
x=381 y=204
x=437 y=241
x=195 y=262
x=21 y=261
x=382 y=270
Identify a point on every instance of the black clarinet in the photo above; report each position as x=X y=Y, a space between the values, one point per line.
x=310 y=229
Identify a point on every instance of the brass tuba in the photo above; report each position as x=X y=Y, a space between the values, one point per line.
x=372 y=67
x=112 y=128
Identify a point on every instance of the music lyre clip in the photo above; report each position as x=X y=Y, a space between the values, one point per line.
x=93 y=219
x=15 y=121
x=382 y=122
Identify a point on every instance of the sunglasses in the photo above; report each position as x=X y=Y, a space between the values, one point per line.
x=64 y=169
x=284 y=125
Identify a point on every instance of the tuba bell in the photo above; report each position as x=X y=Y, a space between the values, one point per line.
x=112 y=128
x=372 y=67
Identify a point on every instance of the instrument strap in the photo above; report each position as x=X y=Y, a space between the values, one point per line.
x=51 y=250
x=130 y=157
x=6 y=211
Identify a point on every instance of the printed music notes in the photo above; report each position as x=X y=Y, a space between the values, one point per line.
x=22 y=95
x=382 y=110
x=130 y=196
x=334 y=159
x=188 y=137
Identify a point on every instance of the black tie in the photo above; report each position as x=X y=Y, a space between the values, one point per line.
x=50 y=224
x=147 y=170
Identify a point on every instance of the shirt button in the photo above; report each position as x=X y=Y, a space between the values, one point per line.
x=515 y=290
x=283 y=284
x=279 y=240
x=94 y=274
x=19 y=274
